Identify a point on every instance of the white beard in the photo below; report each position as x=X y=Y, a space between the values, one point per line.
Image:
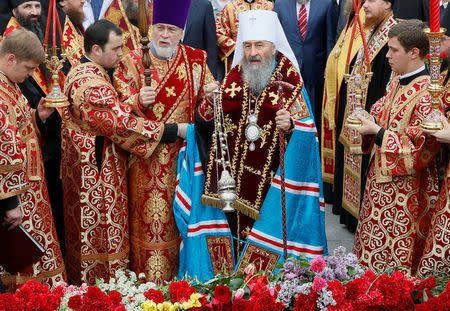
x=166 y=52
x=257 y=76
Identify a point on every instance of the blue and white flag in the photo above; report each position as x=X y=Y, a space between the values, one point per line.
x=194 y=220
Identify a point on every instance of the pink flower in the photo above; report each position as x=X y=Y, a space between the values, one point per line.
x=273 y=292
x=239 y=293
x=250 y=269
x=318 y=284
x=318 y=264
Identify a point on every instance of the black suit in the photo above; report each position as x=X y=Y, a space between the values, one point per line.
x=410 y=9
x=5 y=14
x=200 y=31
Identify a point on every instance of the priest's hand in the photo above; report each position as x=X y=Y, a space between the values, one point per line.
x=13 y=218
x=283 y=120
x=147 y=96
x=207 y=90
x=182 y=128
x=444 y=134
x=369 y=127
x=43 y=111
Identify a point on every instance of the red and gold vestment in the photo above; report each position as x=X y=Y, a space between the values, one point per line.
x=131 y=36
x=436 y=255
x=334 y=77
x=95 y=194
x=402 y=183
x=350 y=138
x=22 y=175
x=178 y=83
x=227 y=24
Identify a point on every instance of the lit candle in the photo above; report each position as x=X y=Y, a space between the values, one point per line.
x=435 y=15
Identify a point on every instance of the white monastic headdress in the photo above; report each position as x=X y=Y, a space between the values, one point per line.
x=261 y=25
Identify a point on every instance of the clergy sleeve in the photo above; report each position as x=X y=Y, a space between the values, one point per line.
x=100 y=107
x=409 y=151
x=379 y=137
x=13 y=175
x=225 y=41
x=170 y=133
x=9 y=203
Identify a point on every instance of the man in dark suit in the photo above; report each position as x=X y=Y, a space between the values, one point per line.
x=312 y=47
x=5 y=14
x=410 y=9
x=200 y=31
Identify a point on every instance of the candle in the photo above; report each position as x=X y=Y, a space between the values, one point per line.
x=54 y=23
x=435 y=15
x=47 y=28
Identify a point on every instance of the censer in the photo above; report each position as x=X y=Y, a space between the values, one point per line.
x=226 y=185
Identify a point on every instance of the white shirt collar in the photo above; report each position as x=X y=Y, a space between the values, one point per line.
x=412 y=73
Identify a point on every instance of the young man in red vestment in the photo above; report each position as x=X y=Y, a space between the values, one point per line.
x=402 y=185
x=23 y=189
x=180 y=80
x=97 y=132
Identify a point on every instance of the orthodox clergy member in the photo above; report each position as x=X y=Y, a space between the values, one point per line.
x=251 y=104
x=23 y=187
x=402 y=186
x=436 y=255
x=97 y=132
x=334 y=104
x=124 y=13
x=380 y=20
x=28 y=14
x=180 y=79
x=227 y=24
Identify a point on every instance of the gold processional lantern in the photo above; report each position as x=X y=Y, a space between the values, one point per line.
x=56 y=97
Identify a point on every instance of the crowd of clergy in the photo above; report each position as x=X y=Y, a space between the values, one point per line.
x=308 y=104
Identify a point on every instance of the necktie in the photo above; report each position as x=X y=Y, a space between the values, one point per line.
x=96 y=8
x=302 y=20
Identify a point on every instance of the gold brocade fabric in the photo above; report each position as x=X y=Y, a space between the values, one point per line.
x=334 y=77
x=22 y=175
x=402 y=184
x=350 y=138
x=179 y=85
x=96 y=194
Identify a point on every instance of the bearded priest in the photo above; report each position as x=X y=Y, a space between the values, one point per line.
x=180 y=80
x=255 y=112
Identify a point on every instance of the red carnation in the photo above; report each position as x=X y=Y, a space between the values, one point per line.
x=184 y=293
x=222 y=293
x=154 y=295
x=75 y=302
x=240 y=305
x=116 y=297
x=173 y=289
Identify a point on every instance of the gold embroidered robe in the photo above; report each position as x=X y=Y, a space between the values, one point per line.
x=436 y=255
x=350 y=138
x=227 y=24
x=402 y=184
x=179 y=86
x=131 y=36
x=334 y=77
x=22 y=175
x=96 y=198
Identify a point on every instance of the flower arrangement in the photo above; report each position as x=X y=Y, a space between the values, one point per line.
x=335 y=283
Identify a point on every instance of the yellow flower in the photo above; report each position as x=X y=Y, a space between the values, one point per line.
x=149 y=306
